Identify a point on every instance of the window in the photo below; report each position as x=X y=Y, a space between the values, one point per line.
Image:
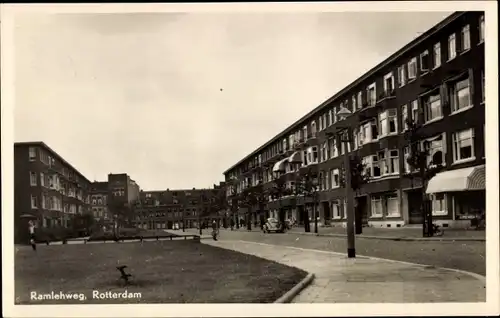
x=334 y=115
x=312 y=155
x=388 y=122
x=371 y=95
x=333 y=148
x=404 y=116
x=481 y=29
x=354 y=107
x=406 y=156
x=392 y=205
x=414 y=111
x=320 y=124
x=432 y=107
x=324 y=151
x=371 y=164
x=33 y=176
x=376 y=206
x=304 y=132
x=330 y=117
x=393 y=162
x=401 y=76
x=452 y=47
x=460 y=95
x=412 y=68
x=483 y=96
x=436 y=148
x=463 y=145
x=369 y=132
x=437 y=55
x=32 y=153
x=439 y=204
x=34 y=202
x=336 y=210
x=388 y=84
x=324 y=120
x=291 y=143
x=313 y=128
x=360 y=100
x=284 y=144
x=465 y=38
x=382 y=163
x=424 y=61
x=355 y=135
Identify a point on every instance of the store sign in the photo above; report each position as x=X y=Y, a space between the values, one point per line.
x=466 y=217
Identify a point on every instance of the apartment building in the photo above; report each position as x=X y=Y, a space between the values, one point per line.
x=437 y=80
x=171 y=208
x=47 y=188
x=99 y=192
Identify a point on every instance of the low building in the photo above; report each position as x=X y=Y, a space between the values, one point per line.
x=171 y=209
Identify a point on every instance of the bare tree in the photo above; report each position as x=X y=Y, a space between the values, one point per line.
x=426 y=169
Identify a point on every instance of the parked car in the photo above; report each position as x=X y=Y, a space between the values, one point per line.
x=273 y=225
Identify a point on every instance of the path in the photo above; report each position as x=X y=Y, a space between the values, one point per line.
x=342 y=280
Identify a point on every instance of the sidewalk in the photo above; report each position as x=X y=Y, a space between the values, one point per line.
x=367 y=280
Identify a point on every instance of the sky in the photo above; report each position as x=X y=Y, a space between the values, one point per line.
x=175 y=99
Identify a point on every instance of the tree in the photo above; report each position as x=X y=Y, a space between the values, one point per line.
x=277 y=192
x=419 y=161
x=82 y=222
x=307 y=188
x=359 y=177
x=248 y=200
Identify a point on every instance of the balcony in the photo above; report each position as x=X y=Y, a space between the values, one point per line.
x=387 y=99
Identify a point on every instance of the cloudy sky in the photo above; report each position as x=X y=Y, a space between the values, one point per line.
x=141 y=93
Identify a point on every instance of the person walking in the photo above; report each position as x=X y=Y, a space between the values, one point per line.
x=232 y=224
x=31 y=229
x=214 y=230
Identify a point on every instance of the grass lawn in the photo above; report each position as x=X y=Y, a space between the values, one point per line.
x=162 y=271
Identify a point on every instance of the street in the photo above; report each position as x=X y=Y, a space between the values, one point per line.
x=463 y=255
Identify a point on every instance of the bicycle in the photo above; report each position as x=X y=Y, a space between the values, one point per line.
x=436 y=230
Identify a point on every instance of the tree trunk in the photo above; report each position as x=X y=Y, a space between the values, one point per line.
x=249 y=218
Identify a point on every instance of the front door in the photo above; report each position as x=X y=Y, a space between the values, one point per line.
x=415 y=207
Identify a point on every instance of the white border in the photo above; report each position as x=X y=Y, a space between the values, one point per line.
x=491 y=307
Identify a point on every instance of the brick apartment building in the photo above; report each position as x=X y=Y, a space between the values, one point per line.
x=437 y=80
x=171 y=208
x=47 y=188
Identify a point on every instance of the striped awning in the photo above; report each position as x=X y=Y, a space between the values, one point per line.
x=295 y=158
x=280 y=165
x=465 y=179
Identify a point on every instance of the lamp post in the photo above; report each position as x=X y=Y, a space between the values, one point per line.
x=345 y=137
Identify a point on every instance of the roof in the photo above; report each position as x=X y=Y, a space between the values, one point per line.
x=358 y=81
x=52 y=152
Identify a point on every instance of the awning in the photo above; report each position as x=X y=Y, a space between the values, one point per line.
x=466 y=179
x=280 y=165
x=295 y=158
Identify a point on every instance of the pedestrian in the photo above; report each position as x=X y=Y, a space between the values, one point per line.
x=232 y=224
x=31 y=228
x=214 y=230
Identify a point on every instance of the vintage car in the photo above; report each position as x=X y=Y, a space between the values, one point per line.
x=273 y=225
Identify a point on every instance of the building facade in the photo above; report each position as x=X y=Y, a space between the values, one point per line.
x=438 y=81
x=171 y=209
x=47 y=188
x=99 y=193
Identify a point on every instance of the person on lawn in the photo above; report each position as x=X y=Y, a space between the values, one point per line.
x=31 y=229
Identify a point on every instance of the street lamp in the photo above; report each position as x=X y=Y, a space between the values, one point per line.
x=345 y=137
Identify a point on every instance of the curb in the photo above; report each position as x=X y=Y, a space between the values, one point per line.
x=406 y=239
x=292 y=293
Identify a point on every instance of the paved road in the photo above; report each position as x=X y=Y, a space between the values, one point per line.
x=364 y=280
x=468 y=256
